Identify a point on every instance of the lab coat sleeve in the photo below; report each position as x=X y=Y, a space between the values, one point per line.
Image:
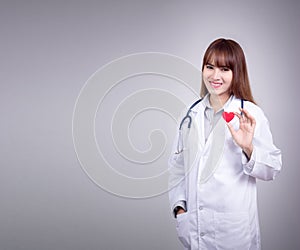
x=265 y=162
x=177 y=186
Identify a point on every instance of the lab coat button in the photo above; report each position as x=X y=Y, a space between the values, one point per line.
x=202 y=234
x=200 y=208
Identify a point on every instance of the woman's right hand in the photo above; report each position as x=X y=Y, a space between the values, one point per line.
x=180 y=211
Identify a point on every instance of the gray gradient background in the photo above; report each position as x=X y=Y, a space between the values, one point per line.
x=48 y=51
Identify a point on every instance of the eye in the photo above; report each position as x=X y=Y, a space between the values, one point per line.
x=209 y=66
x=225 y=69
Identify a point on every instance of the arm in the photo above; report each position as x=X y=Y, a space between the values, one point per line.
x=261 y=159
x=265 y=161
x=177 y=191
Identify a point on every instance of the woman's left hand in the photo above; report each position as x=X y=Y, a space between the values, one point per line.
x=244 y=135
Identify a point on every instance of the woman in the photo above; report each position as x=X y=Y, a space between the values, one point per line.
x=216 y=161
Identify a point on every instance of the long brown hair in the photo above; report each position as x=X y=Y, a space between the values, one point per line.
x=225 y=52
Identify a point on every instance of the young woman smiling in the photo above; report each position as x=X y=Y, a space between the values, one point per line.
x=213 y=176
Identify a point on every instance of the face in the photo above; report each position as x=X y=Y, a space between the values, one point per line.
x=217 y=80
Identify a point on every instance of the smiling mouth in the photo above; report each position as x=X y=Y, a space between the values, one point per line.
x=216 y=84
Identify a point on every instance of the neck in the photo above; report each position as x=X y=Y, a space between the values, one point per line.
x=218 y=101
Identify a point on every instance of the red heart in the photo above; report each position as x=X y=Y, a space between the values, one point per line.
x=228 y=116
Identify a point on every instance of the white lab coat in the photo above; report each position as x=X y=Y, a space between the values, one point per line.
x=222 y=205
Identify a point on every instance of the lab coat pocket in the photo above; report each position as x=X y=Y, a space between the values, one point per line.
x=182 y=228
x=232 y=231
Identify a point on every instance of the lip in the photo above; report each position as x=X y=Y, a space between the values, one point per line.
x=216 y=85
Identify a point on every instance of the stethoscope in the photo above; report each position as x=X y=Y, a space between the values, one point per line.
x=189 y=118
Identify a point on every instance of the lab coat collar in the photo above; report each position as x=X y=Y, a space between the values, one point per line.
x=230 y=106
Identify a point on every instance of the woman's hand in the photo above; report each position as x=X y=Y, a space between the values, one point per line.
x=180 y=211
x=244 y=135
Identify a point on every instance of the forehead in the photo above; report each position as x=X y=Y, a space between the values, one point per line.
x=218 y=59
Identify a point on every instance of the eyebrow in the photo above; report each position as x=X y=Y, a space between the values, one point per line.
x=210 y=64
x=221 y=66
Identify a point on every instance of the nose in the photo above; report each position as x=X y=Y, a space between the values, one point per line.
x=216 y=74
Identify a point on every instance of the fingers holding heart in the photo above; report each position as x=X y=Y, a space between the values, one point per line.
x=243 y=136
x=245 y=117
